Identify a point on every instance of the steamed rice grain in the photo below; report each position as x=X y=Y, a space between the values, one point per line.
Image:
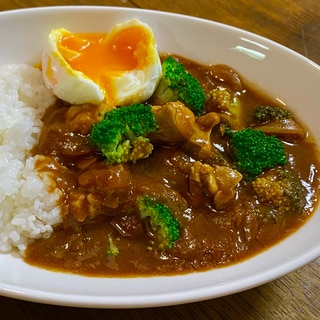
x=27 y=209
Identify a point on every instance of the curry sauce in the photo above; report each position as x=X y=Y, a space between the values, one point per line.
x=97 y=199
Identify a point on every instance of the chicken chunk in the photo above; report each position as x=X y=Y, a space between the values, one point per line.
x=199 y=144
x=80 y=118
x=175 y=122
x=100 y=191
x=218 y=181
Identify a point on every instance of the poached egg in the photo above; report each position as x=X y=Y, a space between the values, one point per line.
x=121 y=67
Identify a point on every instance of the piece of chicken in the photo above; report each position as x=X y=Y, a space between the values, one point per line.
x=101 y=191
x=219 y=181
x=80 y=118
x=175 y=122
x=199 y=145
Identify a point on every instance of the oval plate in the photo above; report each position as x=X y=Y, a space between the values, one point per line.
x=280 y=72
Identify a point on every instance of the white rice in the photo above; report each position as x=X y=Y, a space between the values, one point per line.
x=27 y=210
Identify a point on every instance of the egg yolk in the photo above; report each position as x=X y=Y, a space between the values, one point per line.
x=100 y=56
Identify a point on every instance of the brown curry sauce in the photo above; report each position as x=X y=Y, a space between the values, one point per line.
x=210 y=237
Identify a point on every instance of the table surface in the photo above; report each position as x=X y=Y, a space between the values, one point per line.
x=293 y=23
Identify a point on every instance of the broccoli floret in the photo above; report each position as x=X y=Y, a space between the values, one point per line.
x=281 y=189
x=229 y=107
x=122 y=135
x=165 y=227
x=112 y=250
x=178 y=84
x=266 y=113
x=255 y=151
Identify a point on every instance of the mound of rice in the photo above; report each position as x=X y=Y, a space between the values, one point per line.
x=27 y=210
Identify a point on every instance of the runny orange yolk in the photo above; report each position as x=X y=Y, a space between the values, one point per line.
x=100 y=56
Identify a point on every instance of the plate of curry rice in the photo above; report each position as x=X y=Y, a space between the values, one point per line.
x=151 y=159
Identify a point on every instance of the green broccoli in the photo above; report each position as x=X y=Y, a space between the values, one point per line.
x=266 y=113
x=255 y=151
x=112 y=250
x=122 y=135
x=178 y=84
x=281 y=189
x=229 y=107
x=165 y=227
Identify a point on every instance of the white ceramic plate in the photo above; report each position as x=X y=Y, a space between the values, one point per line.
x=281 y=72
